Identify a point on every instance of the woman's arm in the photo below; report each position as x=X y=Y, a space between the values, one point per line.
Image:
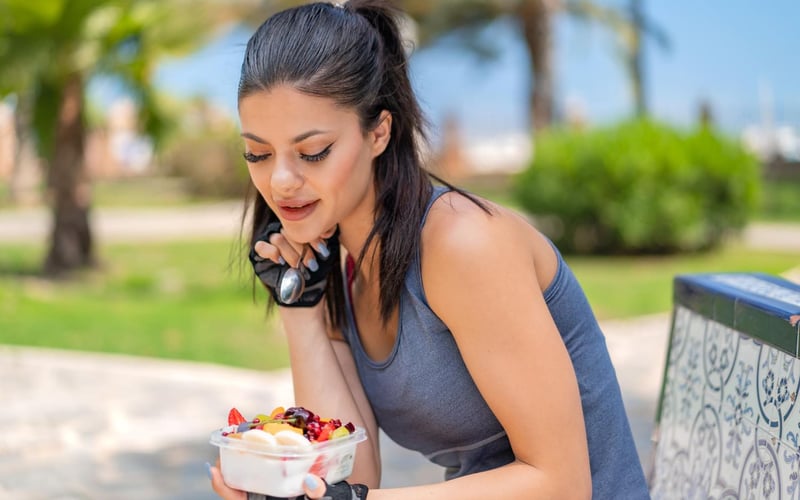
x=480 y=277
x=325 y=381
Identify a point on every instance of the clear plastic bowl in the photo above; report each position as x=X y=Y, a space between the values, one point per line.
x=280 y=470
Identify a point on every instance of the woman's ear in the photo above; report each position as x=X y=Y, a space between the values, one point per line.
x=381 y=134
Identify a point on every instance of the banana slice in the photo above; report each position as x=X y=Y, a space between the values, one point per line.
x=289 y=438
x=261 y=437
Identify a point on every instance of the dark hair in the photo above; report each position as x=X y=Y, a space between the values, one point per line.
x=353 y=54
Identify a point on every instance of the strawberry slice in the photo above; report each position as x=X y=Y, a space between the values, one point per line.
x=320 y=468
x=235 y=418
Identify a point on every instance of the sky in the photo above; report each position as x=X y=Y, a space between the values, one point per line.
x=743 y=57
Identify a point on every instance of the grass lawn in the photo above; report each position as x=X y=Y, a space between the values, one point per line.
x=185 y=301
x=780 y=201
x=171 y=300
x=620 y=287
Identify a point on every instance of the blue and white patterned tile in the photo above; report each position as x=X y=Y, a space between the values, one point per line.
x=791 y=425
x=761 y=473
x=789 y=467
x=776 y=389
x=680 y=329
x=720 y=352
x=690 y=383
x=739 y=409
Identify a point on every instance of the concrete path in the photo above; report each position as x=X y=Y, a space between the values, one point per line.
x=96 y=426
x=223 y=219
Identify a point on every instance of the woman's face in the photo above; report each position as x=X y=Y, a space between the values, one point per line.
x=309 y=159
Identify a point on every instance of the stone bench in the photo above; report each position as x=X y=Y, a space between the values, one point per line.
x=728 y=419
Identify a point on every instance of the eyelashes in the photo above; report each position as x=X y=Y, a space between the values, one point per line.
x=253 y=158
x=319 y=156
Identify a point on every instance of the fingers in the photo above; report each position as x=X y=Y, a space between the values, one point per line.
x=314 y=486
x=222 y=489
x=281 y=250
x=267 y=251
x=292 y=252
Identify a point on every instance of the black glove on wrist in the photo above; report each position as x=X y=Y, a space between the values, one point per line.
x=345 y=491
x=338 y=491
x=271 y=274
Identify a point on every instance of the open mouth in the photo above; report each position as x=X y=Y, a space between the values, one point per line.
x=296 y=211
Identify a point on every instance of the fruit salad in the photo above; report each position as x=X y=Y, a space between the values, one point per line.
x=272 y=453
x=286 y=427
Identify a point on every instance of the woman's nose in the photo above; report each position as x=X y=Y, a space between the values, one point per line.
x=285 y=177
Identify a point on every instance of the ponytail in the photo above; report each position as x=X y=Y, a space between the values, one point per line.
x=401 y=183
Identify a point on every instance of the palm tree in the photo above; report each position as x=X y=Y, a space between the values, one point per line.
x=49 y=50
x=535 y=19
x=630 y=26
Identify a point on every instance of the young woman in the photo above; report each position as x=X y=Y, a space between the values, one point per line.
x=443 y=319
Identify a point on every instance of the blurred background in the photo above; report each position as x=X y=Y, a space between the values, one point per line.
x=647 y=139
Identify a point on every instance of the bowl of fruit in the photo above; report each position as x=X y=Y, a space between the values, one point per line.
x=272 y=453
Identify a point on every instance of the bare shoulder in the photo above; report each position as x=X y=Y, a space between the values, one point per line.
x=461 y=237
x=457 y=225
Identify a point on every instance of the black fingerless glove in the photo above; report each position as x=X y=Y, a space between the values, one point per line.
x=272 y=274
x=344 y=491
x=338 y=491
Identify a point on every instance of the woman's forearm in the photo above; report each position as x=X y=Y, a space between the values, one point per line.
x=321 y=384
x=515 y=480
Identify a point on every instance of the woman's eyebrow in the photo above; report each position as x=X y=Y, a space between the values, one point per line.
x=299 y=138
x=253 y=137
x=306 y=135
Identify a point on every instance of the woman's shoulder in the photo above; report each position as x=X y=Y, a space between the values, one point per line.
x=457 y=223
x=459 y=235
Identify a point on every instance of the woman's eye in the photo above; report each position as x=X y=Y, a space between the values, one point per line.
x=319 y=156
x=251 y=158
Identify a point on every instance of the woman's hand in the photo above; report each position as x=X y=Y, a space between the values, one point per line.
x=277 y=262
x=314 y=486
x=222 y=489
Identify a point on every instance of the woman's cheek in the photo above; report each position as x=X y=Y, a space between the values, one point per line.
x=259 y=178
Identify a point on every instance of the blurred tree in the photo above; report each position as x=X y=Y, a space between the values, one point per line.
x=465 y=19
x=630 y=26
x=534 y=18
x=49 y=49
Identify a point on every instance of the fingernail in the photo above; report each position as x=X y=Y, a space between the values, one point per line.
x=311 y=482
x=208 y=470
x=281 y=261
x=312 y=264
x=323 y=250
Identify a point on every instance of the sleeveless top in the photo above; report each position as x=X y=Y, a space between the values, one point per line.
x=425 y=400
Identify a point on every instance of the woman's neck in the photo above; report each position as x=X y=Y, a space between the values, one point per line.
x=353 y=233
x=353 y=240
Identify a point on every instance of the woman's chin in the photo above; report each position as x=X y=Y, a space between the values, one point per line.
x=301 y=233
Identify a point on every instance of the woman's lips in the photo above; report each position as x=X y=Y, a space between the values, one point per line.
x=296 y=211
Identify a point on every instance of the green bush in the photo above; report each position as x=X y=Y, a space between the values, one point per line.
x=638 y=187
x=209 y=161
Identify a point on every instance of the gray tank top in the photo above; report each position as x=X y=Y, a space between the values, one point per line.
x=425 y=400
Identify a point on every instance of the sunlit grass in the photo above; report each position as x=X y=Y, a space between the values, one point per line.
x=185 y=301
x=780 y=201
x=620 y=287
x=170 y=300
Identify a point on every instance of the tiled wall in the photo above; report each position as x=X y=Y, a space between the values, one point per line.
x=730 y=420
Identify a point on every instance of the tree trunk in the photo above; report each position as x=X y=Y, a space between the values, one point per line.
x=637 y=59
x=71 y=245
x=536 y=16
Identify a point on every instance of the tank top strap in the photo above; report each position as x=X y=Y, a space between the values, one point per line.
x=435 y=194
x=414 y=274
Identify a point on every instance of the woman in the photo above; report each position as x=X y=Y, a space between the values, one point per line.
x=454 y=325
